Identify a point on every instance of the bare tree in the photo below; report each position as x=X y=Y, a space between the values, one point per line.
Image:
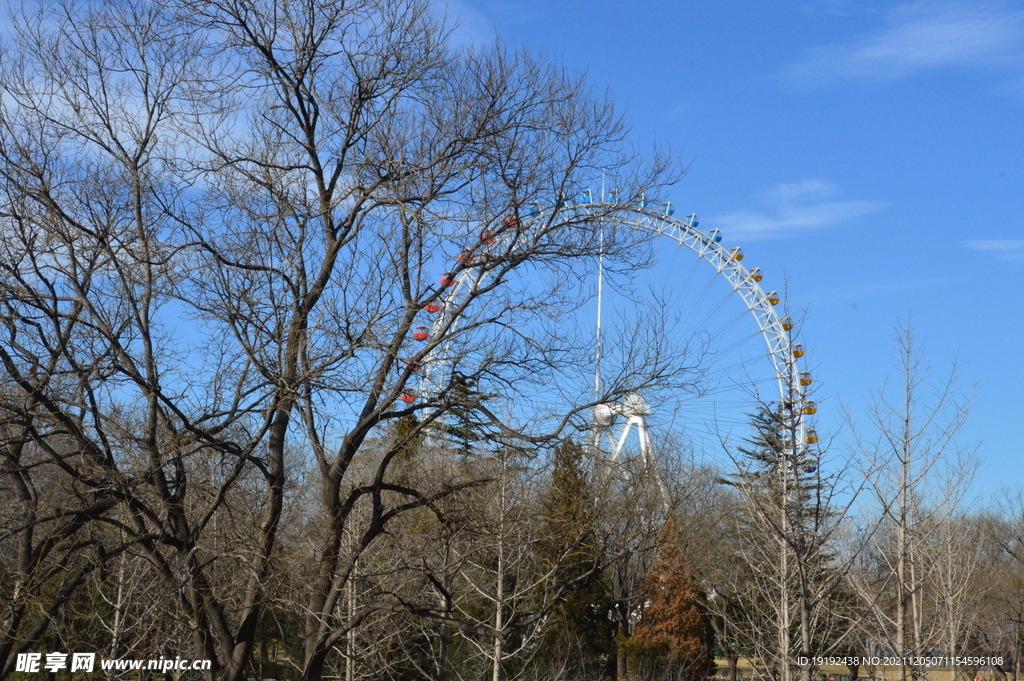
x=1004 y=630
x=222 y=223
x=915 y=430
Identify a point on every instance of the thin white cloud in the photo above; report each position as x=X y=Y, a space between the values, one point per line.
x=804 y=191
x=920 y=36
x=1003 y=249
x=796 y=208
x=471 y=26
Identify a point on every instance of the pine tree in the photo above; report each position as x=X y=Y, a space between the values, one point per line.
x=781 y=482
x=776 y=466
x=785 y=527
x=573 y=551
x=464 y=427
x=673 y=638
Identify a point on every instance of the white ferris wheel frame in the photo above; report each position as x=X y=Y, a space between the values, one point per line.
x=661 y=223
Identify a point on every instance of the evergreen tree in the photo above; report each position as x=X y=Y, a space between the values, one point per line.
x=781 y=484
x=776 y=465
x=572 y=550
x=785 y=530
x=673 y=639
x=464 y=427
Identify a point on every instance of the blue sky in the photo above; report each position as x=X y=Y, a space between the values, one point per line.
x=869 y=154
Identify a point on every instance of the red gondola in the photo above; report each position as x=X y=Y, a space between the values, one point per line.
x=448 y=279
x=487 y=237
x=421 y=333
x=408 y=397
x=432 y=308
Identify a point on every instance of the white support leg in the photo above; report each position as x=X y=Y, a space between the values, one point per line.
x=646 y=452
x=617 y=452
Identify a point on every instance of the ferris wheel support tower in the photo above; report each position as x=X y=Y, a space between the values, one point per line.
x=633 y=409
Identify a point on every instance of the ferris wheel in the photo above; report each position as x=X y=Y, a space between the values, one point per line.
x=765 y=356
